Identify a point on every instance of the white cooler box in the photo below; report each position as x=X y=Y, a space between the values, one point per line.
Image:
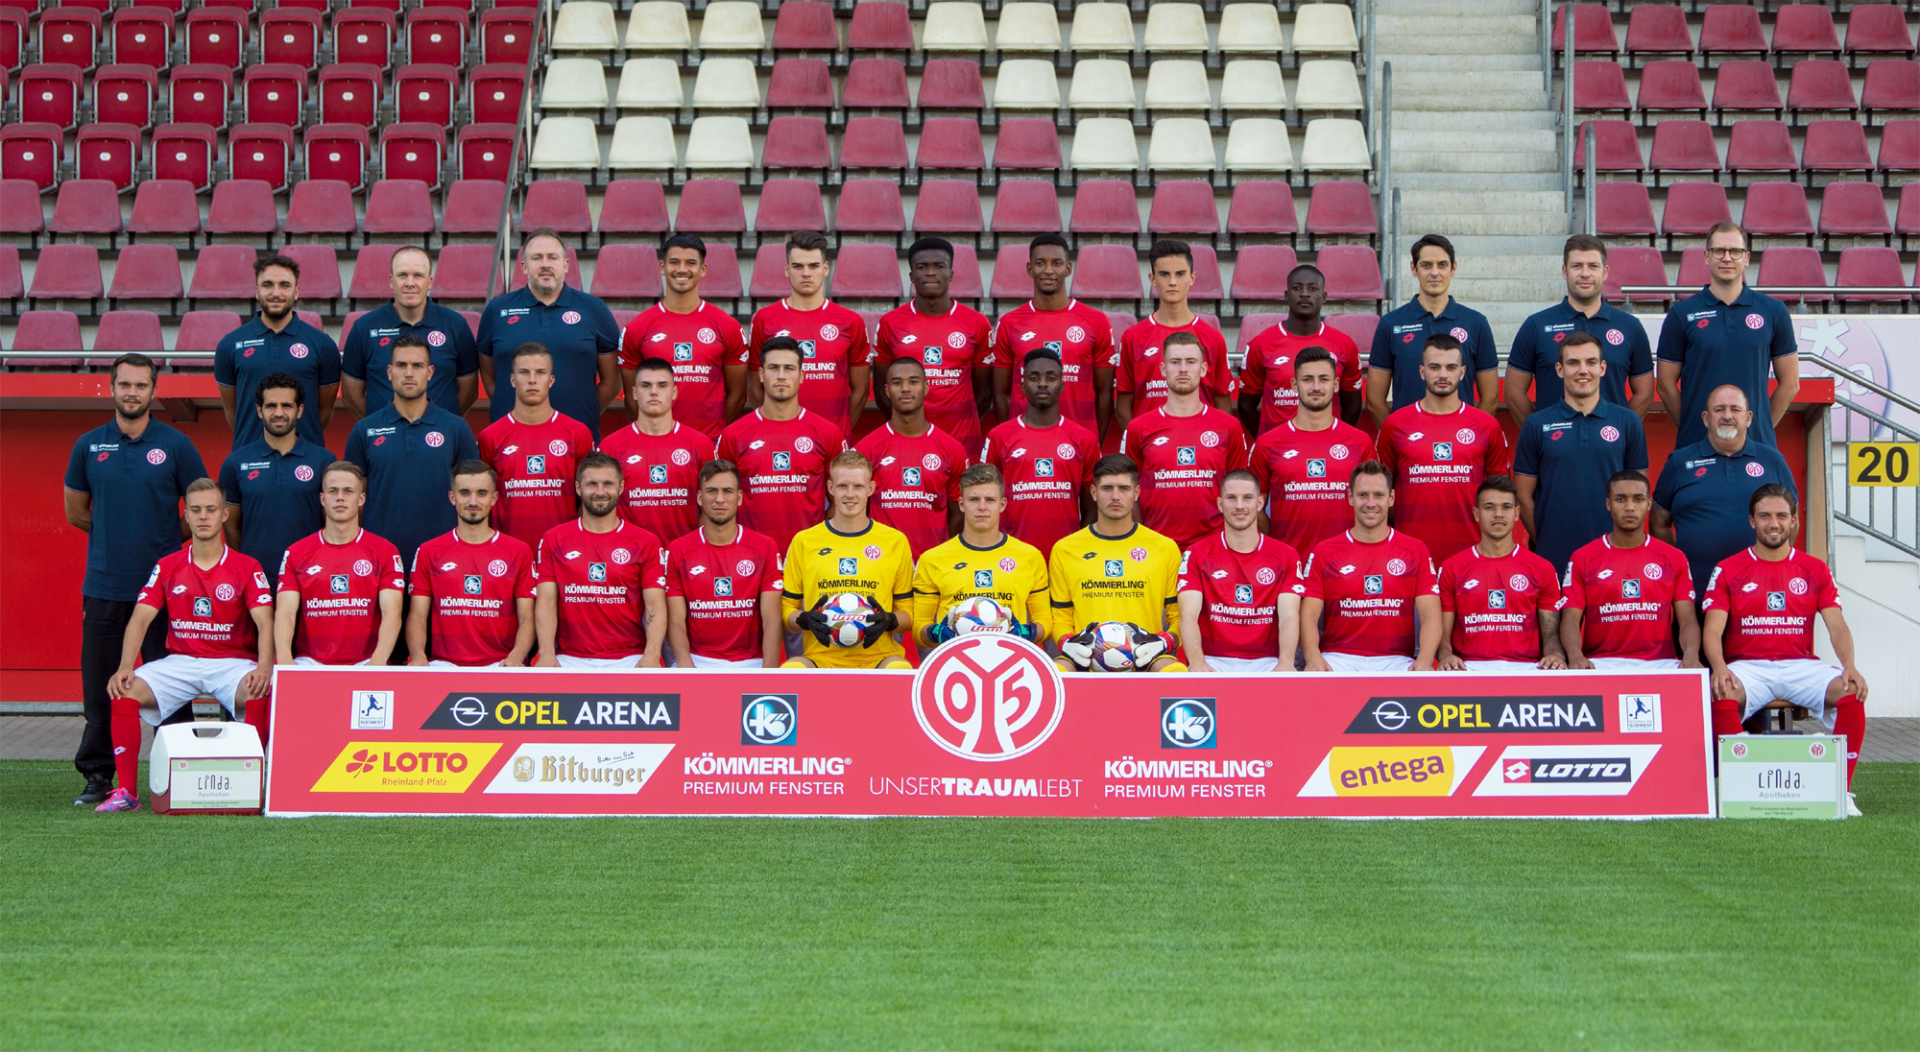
x=206 y=769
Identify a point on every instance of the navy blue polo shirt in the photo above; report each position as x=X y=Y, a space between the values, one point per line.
x=136 y=485
x=252 y=352
x=1573 y=454
x=1706 y=492
x=365 y=353
x=278 y=496
x=577 y=328
x=409 y=466
x=1719 y=343
x=1403 y=331
x=1536 y=350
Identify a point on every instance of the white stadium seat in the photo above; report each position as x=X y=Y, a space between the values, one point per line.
x=1102 y=27
x=1258 y=144
x=1026 y=84
x=1104 y=144
x=954 y=25
x=659 y=25
x=1181 y=144
x=1178 y=84
x=1328 y=84
x=643 y=143
x=1324 y=28
x=1026 y=26
x=1253 y=84
x=1101 y=84
x=650 y=84
x=1176 y=27
x=1250 y=27
x=726 y=84
x=732 y=25
x=566 y=143
x=585 y=25
x=574 y=84
x=1335 y=144
x=719 y=142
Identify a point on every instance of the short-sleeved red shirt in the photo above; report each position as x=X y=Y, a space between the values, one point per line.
x=950 y=346
x=1240 y=594
x=1269 y=368
x=1082 y=335
x=783 y=471
x=1305 y=475
x=833 y=339
x=599 y=578
x=1770 y=606
x=660 y=473
x=1627 y=595
x=535 y=463
x=722 y=585
x=1182 y=459
x=472 y=589
x=1438 y=461
x=1137 y=366
x=915 y=480
x=700 y=344
x=339 y=587
x=1045 y=469
x=209 y=612
x=1496 y=603
x=1369 y=591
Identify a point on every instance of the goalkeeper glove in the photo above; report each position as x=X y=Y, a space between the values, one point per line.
x=1149 y=645
x=1020 y=628
x=1079 y=648
x=883 y=622
x=816 y=622
x=940 y=632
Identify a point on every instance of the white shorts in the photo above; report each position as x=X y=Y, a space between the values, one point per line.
x=1228 y=664
x=569 y=661
x=317 y=663
x=177 y=679
x=1802 y=681
x=1611 y=664
x=1367 y=662
x=707 y=662
x=1501 y=666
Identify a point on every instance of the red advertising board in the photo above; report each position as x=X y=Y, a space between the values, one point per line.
x=987 y=727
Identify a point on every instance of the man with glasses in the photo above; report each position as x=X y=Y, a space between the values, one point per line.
x=1726 y=334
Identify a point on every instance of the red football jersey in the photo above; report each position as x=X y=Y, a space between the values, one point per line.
x=832 y=339
x=1045 y=469
x=473 y=588
x=1438 y=461
x=1496 y=602
x=340 y=586
x=1369 y=591
x=700 y=344
x=1240 y=594
x=661 y=474
x=1181 y=460
x=1304 y=475
x=599 y=577
x=1770 y=606
x=915 y=479
x=1081 y=334
x=535 y=463
x=722 y=585
x=951 y=346
x=209 y=612
x=1627 y=595
x=1137 y=366
x=783 y=467
x=1269 y=368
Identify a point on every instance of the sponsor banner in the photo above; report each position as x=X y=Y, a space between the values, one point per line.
x=987 y=726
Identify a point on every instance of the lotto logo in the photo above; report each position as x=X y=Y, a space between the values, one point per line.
x=1243 y=594
x=338 y=584
x=1630 y=588
x=983 y=578
x=683 y=352
x=1185 y=455
x=657 y=475
x=1115 y=568
x=1776 y=600
x=782 y=461
x=1316 y=469
x=597 y=572
x=849 y=566
x=1496 y=599
x=1043 y=468
x=472 y=584
x=1374 y=584
x=910 y=477
x=723 y=586
x=1443 y=451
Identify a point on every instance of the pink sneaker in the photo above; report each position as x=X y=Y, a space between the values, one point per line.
x=121 y=799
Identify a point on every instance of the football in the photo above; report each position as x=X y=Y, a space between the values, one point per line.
x=848 y=615
x=978 y=614
x=1113 y=647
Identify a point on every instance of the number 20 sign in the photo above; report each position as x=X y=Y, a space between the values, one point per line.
x=1883 y=464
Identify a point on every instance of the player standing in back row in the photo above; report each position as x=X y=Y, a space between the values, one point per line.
x=1079 y=334
x=954 y=343
x=833 y=339
x=1140 y=385
x=1268 y=396
x=708 y=351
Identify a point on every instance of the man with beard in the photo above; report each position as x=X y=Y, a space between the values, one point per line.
x=782 y=450
x=473 y=587
x=708 y=351
x=577 y=328
x=1240 y=591
x=1376 y=586
x=600 y=598
x=1568 y=450
x=277 y=341
x=272 y=483
x=405 y=450
x=1080 y=334
x=723 y=584
x=1439 y=449
x=363 y=355
x=123 y=487
x=953 y=342
x=1303 y=464
x=1045 y=459
x=1267 y=392
x=1183 y=448
x=916 y=466
x=1629 y=376
x=1699 y=503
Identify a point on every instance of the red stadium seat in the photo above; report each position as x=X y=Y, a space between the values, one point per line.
x=1027 y=144
x=69 y=35
x=632 y=272
x=122 y=331
x=723 y=273
x=1760 y=146
x=769 y=271
x=1891 y=84
x=322 y=207
x=374 y=265
x=350 y=93
x=472 y=209
x=877 y=84
x=13 y=38
x=147 y=273
x=87 y=206
x=1623 y=209
x=1616 y=148
x=425 y=93
x=67 y=272
x=1853 y=210
x=184 y=151
x=413 y=151
x=1745 y=86
x=800 y=84
x=1600 y=86
x=1010 y=280
x=636 y=206
x=1107 y=272
x=110 y=152
x=20 y=215
x=1693 y=267
x=165 y=208
x=710 y=206
x=806 y=25
x=1692 y=209
x=1352 y=272
x=506 y=35
x=1804 y=29
x=560 y=204
x=870 y=206
x=951 y=84
x=217 y=36
x=400 y=206
x=363 y=34
x=141 y=36
x=950 y=144
x=1104 y=207
x=222 y=272
x=1899 y=149
x=1260 y=272
x=1262 y=208
x=1184 y=207
x=1344 y=207
x=290 y=35
x=880 y=27
x=1836 y=146
x=437 y=36
x=787 y=205
x=874 y=142
x=1635 y=265
x=49 y=330
x=202 y=330
x=1592 y=30
x=1878 y=29
x=966 y=284
x=50 y=94
x=1026 y=207
x=947 y=206
x=1777 y=210
x=1785 y=265
x=244 y=207
x=276 y=94
x=796 y=143
x=1820 y=85
x=1865 y=266
x=1252 y=325
x=483 y=150
x=1672 y=86
x=125 y=94
x=1206 y=277
x=867 y=271
x=338 y=152
x=30 y=152
x=197 y=93
x=1683 y=146
x=263 y=152
x=1729 y=29
x=1656 y=29
x=460 y=273
x=494 y=92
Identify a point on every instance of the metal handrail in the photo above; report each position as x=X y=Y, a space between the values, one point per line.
x=1388 y=196
x=1546 y=48
x=1807 y=358
x=1567 y=129
x=1593 y=221
x=1393 y=250
x=523 y=133
x=1893 y=499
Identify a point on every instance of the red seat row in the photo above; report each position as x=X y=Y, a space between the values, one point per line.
x=1863 y=266
x=1847 y=210
x=1753 y=146
x=121 y=331
x=876 y=84
x=1747 y=86
x=1734 y=29
x=178 y=7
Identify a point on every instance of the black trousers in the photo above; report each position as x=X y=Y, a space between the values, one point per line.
x=103 y=628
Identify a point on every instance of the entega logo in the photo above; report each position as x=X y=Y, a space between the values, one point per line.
x=556 y=712
x=1419 y=770
x=1188 y=723
x=406 y=767
x=1579 y=714
x=769 y=719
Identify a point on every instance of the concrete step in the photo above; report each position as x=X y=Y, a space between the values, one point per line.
x=1450 y=63
x=1457 y=8
x=1528 y=101
x=1478 y=82
x=1505 y=267
x=1476 y=244
x=1431 y=180
x=1472 y=121
x=1535 y=294
x=1416 y=136
x=1523 y=223
x=1530 y=161
x=1490 y=202
x=1432 y=24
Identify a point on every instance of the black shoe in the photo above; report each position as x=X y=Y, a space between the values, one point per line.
x=98 y=786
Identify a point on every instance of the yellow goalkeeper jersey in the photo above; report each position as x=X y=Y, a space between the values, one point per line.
x=876 y=562
x=1011 y=572
x=1133 y=578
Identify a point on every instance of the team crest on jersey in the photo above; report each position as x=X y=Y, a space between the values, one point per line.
x=597 y=572
x=1396 y=567
x=682 y=457
x=155 y=457
x=829 y=332
x=1115 y=568
x=1185 y=455
x=1316 y=469
x=1337 y=451
x=956 y=340
x=1496 y=598
x=1373 y=584
x=782 y=461
x=1264 y=575
x=1209 y=439
x=202 y=607
x=338 y=584
x=536 y=463
x=683 y=352
x=299 y=350
x=910 y=477
x=1518 y=582
x=1138 y=555
x=621 y=556
x=1630 y=588
x=983 y=578
x=849 y=566
x=1652 y=571
x=1459 y=333
x=1065 y=451
x=706 y=335
x=723 y=586
x=472 y=584
x=1776 y=600
x=872 y=552
x=557 y=447
x=803 y=444
x=363 y=567
x=932 y=355
x=1798 y=586
x=1008 y=564
x=224 y=593
x=1616 y=337
x=1755 y=469
x=1043 y=468
x=1755 y=321
x=497 y=568
x=931 y=462
x=1243 y=594
x=1443 y=451
x=436 y=338
x=303 y=473
x=1610 y=433
x=657 y=475
x=435 y=439
x=1075 y=334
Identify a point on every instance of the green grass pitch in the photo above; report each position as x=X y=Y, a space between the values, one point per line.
x=144 y=931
